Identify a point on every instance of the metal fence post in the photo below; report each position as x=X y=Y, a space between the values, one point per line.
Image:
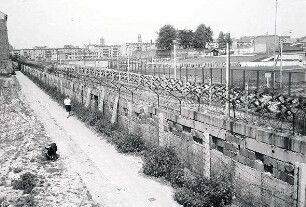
x=246 y=87
x=232 y=77
x=186 y=73
x=289 y=84
x=195 y=74
x=203 y=78
x=257 y=80
x=221 y=76
x=181 y=72
x=211 y=76
x=243 y=79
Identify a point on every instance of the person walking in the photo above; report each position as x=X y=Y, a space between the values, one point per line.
x=67 y=103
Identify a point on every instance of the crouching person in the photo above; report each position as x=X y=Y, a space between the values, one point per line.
x=51 y=152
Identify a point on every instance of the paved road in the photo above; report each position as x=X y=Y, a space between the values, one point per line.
x=113 y=179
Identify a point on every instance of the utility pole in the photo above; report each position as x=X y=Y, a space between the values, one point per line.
x=84 y=56
x=275 y=44
x=57 y=55
x=174 y=57
x=128 y=64
x=118 y=61
x=227 y=104
x=281 y=66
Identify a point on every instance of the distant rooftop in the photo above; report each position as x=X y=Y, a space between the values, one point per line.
x=3 y=16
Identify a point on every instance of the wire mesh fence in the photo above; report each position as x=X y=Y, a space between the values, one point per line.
x=291 y=81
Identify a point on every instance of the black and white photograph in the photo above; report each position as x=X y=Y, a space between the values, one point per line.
x=164 y=103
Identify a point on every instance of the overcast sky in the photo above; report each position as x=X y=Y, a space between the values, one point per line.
x=57 y=22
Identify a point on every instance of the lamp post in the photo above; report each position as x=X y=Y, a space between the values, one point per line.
x=128 y=64
x=281 y=66
x=227 y=73
x=174 y=58
x=275 y=43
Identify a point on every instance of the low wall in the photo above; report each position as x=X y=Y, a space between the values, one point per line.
x=271 y=64
x=266 y=168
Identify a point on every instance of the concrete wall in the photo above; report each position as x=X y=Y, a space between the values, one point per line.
x=271 y=64
x=5 y=63
x=265 y=167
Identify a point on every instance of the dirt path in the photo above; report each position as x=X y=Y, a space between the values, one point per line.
x=112 y=179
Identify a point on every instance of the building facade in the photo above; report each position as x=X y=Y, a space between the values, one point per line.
x=5 y=63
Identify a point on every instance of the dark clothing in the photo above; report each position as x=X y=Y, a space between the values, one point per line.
x=68 y=108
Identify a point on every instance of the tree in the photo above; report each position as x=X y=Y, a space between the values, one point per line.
x=221 y=40
x=166 y=35
x=185 y=38
x=202 y=36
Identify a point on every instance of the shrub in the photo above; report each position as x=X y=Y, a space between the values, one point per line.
x=130 y=143
x=163 y=162
x=177 y=176
x=27 y=201
x=204 y=192
x=104 y=126
x=25 y=183
x=186 y=197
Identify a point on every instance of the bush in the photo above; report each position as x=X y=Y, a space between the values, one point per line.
x=204 y=192
x=104 y=126
x=186 y=197
x=27 y=201
x=163 y=162
x=130 y=143
x=25 y=183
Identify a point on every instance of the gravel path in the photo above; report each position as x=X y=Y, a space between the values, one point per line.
x=113 y=179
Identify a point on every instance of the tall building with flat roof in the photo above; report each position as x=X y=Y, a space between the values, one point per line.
x=5 y=63
x=102 y=41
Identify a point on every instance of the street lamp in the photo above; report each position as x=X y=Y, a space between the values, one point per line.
x=274 y=43
x=174 y=58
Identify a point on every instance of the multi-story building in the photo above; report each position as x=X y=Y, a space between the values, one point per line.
x=266 y=43
x=128 y=49
x=105 y=51
x=89 y=52
x=5 y=63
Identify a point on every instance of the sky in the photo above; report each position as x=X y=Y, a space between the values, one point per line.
x=55 y=23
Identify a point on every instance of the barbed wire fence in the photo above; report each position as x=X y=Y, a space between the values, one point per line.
x=249 y=103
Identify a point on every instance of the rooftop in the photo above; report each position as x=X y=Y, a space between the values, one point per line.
x=3 y=15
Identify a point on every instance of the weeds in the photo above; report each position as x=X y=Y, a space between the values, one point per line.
x=26 y=182
x=130 y=143
x=27 y=201
x=163 y=162
x=200 y=191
